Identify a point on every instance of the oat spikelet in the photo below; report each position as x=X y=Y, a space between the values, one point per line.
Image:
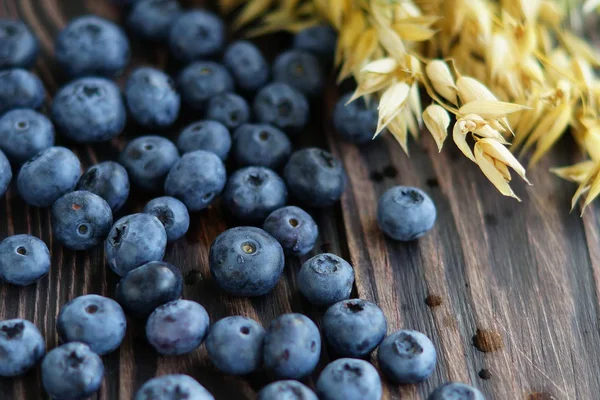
x=437 y=121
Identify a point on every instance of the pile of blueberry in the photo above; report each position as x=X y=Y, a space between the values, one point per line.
x=244 y=260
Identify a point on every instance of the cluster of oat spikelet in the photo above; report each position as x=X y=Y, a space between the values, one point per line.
x=507 y=74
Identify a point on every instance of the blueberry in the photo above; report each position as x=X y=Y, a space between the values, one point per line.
x=196 y=179
x=292 y=346
x=406 y=357
x=354 y=328
x=24 y=133
x=196 y=35
x=20 y=89
x=89 y=110
x=315 y=177
x=349 y=379
x=252 y=193
x=299 y=69
x=5 y=174
x=246 y=261
x=286 y=390
x=320 y=40
x=94 y=320
x=18 y=46
x=261 y=145
x=172 y=213
x=294 y=229
x=21 y=346
x=148 y=160
x=234 y=345
x=405 y=213
x=23 y=259
x=47 y=176
x=152 y=19
x=90 y=45
x=281 y=105
x=151 y=97
x=178 y=327
x=108 y=180
x=357 y=121
x=72 y=371
x=326 y=279
x=147 y=287
x=81 y=220
x=135 y=240
x=229 y=109
x=456 y=391
x=200 y=81
x=172 y=387
x=210 y=136
x=247 y=65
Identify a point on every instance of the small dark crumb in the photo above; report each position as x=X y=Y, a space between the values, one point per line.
x=487 y=341
x=432 y=182
x=433 y=300
x=193 y=277
x=376 y=176
x=390 y=171
x=541 y=396
x=485 y=374
x=490 y=219
x=466 y=285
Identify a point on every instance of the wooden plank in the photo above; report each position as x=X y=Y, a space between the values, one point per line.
x=517 y=280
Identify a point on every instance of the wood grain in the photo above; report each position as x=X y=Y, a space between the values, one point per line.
x=518 y=279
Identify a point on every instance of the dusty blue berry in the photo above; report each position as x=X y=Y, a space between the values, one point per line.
x=152 y=19
x=293 y=228
x=200 y=81
x=24 y=133
x=172 y=213
x=108 y=180
x=196 y=35
x=18 y=45
x=20 y=89
x=286 y=390
x=349 y=379
x=281 y=105
x=261 y=145
x=172 y=387
x=456 y=391
x=406 y=356
x=405 y=213
x=21 y=346
x=229 y=109
x=205 y=135
x=5 y=174
x=247 y=65
x=326 y=279
x=299 y=69
x=24 y=259
x=320 y=40
x=355 y=122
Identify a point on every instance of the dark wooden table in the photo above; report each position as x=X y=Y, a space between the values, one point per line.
x=507 y=291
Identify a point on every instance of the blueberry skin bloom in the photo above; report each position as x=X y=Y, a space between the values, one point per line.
x=81 y=220
x=281 y=105
x=90 y=45
x=247 y=65
x=320 y=40
x=5 y=174
x=24 y=133
x=206 y=135
x=94 y=320
x=354 y=328
x=299 y=69
x=21 y=345
x=355 y=122
x=326 y=279
x=135 y=240
x=147 y=287
x=152 y=98
x=108 y=180
x=229 y=109
x=456 y=391
x=20 y=89
x=173 y=387
x=18 y=46
x=24 y=259
x=261 y=145
x=235 y=344
x=405 y=213
x=406 y=356
x=89 y=110
x=246 y=261
x=72 y=371
x=47 y=176
x=178 y=327
x=196 y=179
x=315 y=177
x=292 y=346
x=349 y=379
x=172 y=213
x=286 y=390
x=196 y=35
x=294 y=229
x=200 y=81
x=252 y=193
x=148 y=160
x=152 y=19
